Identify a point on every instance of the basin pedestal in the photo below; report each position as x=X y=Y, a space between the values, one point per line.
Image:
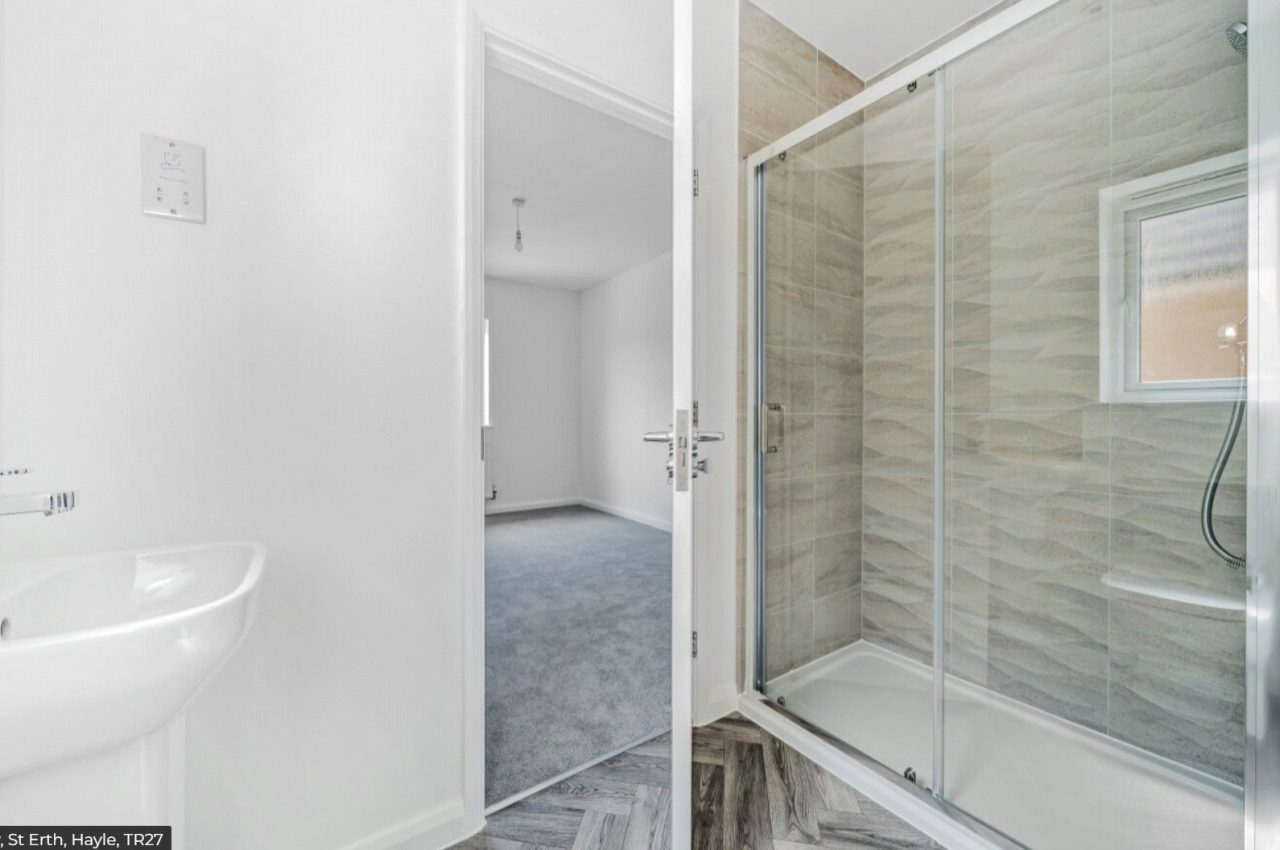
x=137 y=784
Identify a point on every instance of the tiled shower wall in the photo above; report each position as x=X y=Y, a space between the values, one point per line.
x=897 y=493
x=1048 y=489
x=813 y=345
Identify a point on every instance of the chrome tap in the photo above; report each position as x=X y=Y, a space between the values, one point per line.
x=35 y=503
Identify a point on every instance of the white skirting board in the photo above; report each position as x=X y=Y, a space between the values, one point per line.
x=441 y=827
x=535 y=505
x=573 y=771
x=661 y=523
x=664 y=524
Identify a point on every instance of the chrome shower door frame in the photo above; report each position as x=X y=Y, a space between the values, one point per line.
x=1262 y=717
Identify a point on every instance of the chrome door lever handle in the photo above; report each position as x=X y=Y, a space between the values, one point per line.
x=710 y=436
x=658 y=436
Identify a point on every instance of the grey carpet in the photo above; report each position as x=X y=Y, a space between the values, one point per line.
x=577 y=641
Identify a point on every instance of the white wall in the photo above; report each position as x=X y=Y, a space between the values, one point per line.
x=533 y=445
x=575 y=378
x=289 y=371
x=626 y=43
x=626 y=390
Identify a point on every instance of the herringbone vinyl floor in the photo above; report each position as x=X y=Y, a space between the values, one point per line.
x=750 y=792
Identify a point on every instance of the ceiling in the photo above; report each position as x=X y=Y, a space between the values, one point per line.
x=597 y=190
x=868 y=36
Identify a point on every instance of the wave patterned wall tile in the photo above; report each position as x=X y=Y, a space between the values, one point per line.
x=1179 y=94
x=814 y=327
x=1026 y=589
x=1050 y=489
x=1177 y=682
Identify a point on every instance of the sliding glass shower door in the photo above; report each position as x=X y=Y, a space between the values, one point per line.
x=845 y=428
x=1097 y=297
x=1002 y=327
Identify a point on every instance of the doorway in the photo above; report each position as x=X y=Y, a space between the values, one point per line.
x=578 y=365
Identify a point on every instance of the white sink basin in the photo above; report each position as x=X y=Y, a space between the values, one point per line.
x=100 y=650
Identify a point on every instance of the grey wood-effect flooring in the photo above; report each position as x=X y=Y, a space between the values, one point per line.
x=623 y=803
x=750 y=792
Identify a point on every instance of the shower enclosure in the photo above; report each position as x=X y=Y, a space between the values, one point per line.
x=1000 y=481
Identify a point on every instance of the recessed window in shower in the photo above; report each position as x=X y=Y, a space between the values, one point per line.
x=1174 y=284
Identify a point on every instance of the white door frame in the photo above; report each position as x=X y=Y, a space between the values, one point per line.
x=685 y=428
x=492 y=45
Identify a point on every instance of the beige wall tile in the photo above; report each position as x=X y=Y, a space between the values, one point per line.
x=778 y=83
x=836 y=621
x=836 y=84
x=1179 y=96
x=898 y=311
x=837 y=504
x=1177 y=682
x=1027 y=574
x=1164 y=449
x=791 y=187
x=790 y=644
x=900 y=444
x=839 y=205
x=791 y=311
x=748 y=143
x=1026 y=373
x=837 y=562
x=837 y=322
x=794 y=436
x=792 y=249
x=838 y=264
x=898 y=385
x=790 y=374
x=789 y=502
x=771 y=47
x=1065 y=450
x=838 y=444
x=768 y=107
x=837 y=382
x=839 y=149
x=1158 y=538
x=789 y=575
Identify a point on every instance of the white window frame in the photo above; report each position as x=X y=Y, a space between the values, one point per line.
x=1220 y=178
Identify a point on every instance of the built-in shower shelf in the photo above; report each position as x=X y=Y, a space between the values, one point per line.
x=1176 y=591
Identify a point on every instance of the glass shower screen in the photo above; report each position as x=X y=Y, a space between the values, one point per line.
x=991 y=555
x=846 y=426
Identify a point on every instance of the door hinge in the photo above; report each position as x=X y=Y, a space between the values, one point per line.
x=695 y=182
x=695 y=643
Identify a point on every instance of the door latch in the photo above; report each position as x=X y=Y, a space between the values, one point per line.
x=683 y=461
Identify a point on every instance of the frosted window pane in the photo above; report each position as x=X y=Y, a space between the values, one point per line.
x=1192 y=280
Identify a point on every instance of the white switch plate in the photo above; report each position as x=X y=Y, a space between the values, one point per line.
x=172 y=179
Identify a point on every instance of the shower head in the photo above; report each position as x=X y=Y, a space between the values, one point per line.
x=1238 y=36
